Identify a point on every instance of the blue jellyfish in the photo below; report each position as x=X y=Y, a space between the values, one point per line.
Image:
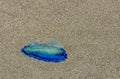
x=48 y=52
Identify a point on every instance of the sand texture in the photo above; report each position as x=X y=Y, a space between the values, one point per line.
x=89 y=30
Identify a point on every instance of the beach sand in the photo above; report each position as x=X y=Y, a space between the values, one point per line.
x=88 y=29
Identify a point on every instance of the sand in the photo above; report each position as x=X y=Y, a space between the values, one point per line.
x=88 y=29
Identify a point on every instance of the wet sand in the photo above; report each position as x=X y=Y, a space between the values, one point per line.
x=89 y=30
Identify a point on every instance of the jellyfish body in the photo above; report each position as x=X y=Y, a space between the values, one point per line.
x=45 y=52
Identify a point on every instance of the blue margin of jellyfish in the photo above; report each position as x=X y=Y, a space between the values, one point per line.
x=44 y=55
